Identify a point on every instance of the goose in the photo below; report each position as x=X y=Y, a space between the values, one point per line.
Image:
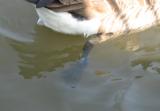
x=99 y=19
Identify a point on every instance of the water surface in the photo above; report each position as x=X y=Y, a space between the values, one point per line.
x=38 y=68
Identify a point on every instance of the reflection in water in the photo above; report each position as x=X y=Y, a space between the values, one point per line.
x=113 y=80
x=46 y=53
x=145 y=48
x=149 y=62
x=73 y=74
x=148 y=56
x=129 y=43
x=143 y=95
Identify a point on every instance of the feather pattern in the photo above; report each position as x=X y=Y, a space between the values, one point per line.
x=116 y=16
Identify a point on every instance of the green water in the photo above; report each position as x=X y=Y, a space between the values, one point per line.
x=35 y=65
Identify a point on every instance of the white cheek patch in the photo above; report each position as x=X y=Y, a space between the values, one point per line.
x=40 y=22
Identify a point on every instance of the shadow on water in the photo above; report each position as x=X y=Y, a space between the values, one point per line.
x=46 y=53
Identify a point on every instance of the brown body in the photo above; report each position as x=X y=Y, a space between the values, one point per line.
x=98 y=9
x=104 y=19
x=94 y=8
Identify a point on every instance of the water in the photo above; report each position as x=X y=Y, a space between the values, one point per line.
x=38 y=68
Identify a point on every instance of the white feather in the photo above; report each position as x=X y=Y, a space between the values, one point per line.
x=66 y=23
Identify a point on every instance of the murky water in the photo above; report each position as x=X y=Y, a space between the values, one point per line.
x=38 y=68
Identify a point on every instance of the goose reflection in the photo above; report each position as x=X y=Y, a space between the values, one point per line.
x=47 y=53
x=150 y=60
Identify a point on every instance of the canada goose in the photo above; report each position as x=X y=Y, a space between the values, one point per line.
x=104 y=19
